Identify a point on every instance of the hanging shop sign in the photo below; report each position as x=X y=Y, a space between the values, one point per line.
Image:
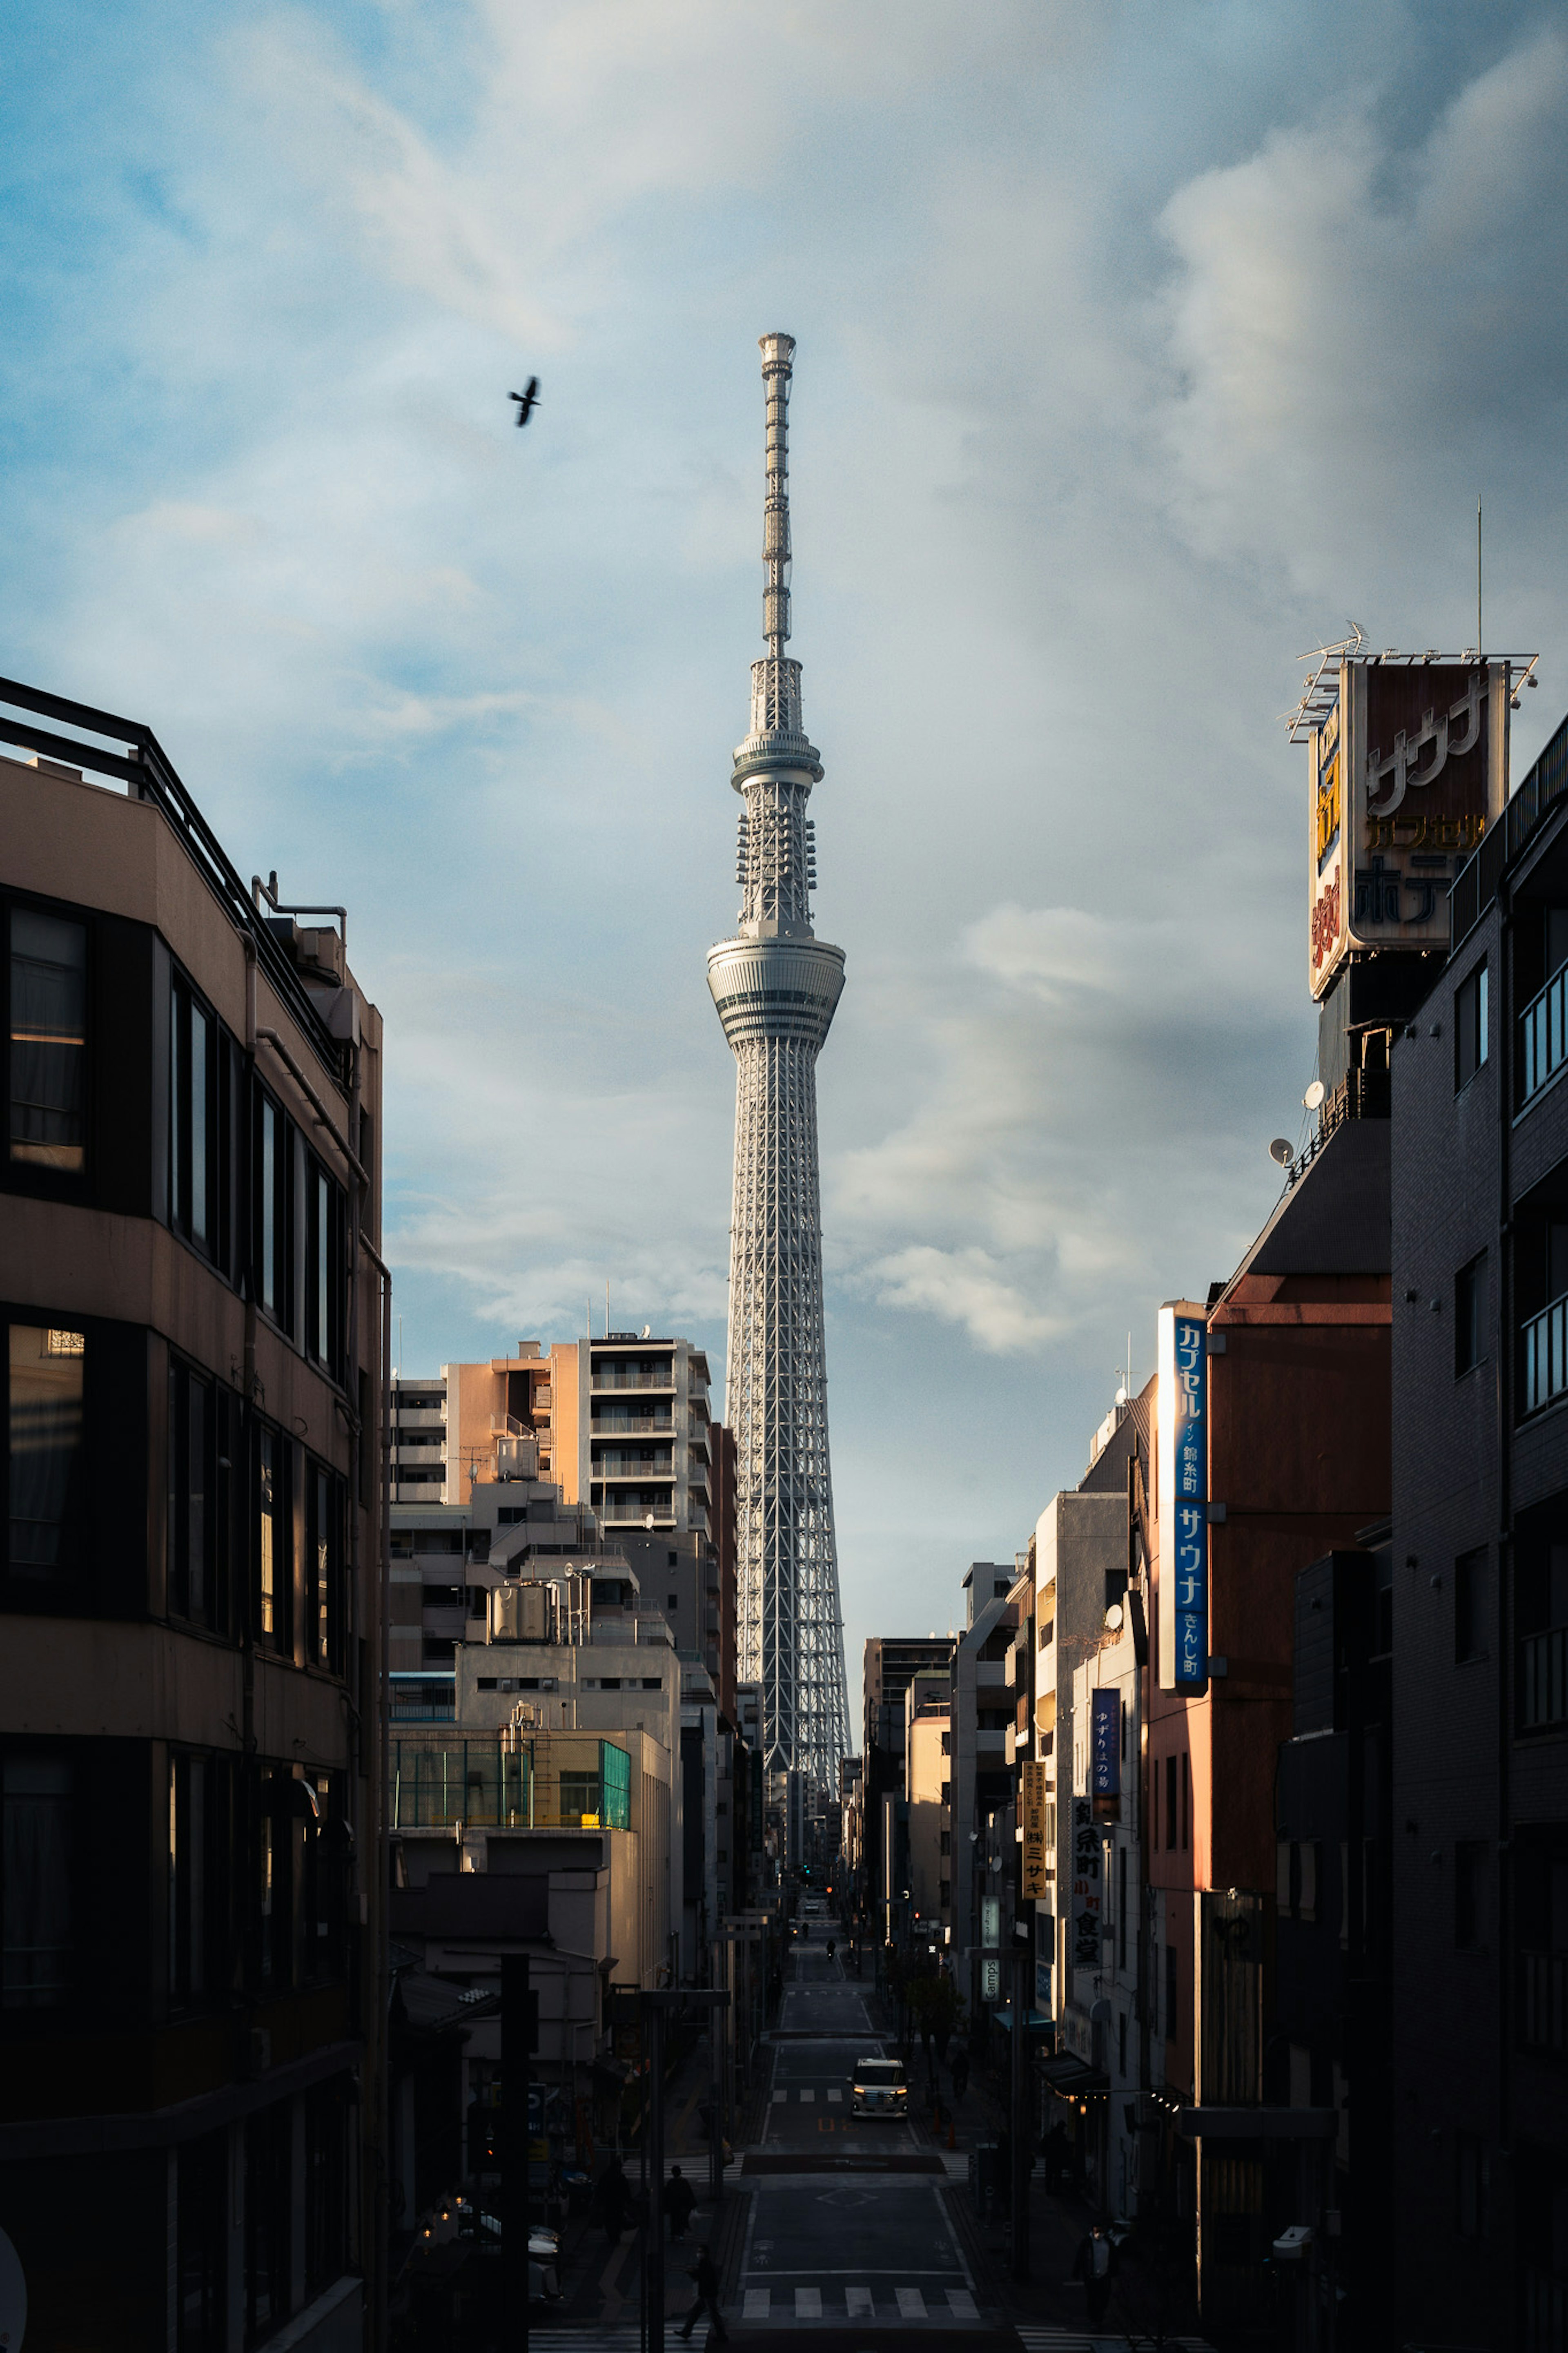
x=1086 y=1886
x=1105 y=1743
x=1032 y=1821
x=1184 y=1498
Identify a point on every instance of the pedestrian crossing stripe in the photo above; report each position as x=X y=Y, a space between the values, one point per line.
x=1078 y=2340
x=815 y=2303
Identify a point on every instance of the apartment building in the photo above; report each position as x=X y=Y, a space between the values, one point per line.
x=1477 y=1601
x=191 y=1905
x=928 y=1795
x=891 y=1662
x=621 y=1425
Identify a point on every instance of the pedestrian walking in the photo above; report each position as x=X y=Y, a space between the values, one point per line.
x=1095 y=2264
x=680 y=2198
x=705 y=2279
x=612 y=2195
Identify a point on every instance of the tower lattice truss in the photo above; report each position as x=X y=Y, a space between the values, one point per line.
x=776 y=986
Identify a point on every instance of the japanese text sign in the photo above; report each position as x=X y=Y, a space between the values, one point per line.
x=1184 y=1411
x=1104 y=1745
x=1032 y=1821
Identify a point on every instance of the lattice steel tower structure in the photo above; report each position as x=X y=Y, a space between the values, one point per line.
x=776 y=986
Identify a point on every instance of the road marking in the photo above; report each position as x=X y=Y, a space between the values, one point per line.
x=962 y=2304
x=781 y=2096
x=808 y=2303
x=806 y=2098
x=835 y=2096
x=858 y=2300
x=912 y=2303
x=756 y=2303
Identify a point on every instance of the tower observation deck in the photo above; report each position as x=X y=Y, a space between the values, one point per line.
x=776 y=986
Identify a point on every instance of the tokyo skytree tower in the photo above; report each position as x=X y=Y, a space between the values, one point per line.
x=776 y=986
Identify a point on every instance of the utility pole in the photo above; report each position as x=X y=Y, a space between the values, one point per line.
x=656 y=2008
x=519 y=2039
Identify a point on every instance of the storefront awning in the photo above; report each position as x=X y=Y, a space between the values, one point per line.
x=1072 y=2079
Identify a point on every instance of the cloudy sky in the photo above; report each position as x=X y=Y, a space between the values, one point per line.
x=1138 y=347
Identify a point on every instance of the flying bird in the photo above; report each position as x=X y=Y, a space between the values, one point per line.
x=527 y=402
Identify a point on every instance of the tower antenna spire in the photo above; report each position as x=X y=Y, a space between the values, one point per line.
x=778 y=367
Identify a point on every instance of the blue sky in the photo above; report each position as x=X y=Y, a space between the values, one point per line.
x=1138 y=348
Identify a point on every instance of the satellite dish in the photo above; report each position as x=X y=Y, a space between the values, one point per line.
x=647 y=1520
x=1122 y=1396
x=1314 y=1094
x=1282 y=1152
x=1113 y=1617
x=647 y=1331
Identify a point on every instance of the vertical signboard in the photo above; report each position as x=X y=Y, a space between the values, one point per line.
x=1032 y=1818
x=1184 y=1499
x=1086 y=1910
x=1409 y=768
x=1105 y=1743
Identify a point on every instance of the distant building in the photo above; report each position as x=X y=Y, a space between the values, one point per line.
x=192 y=2019
x=891 y=1664
x=621 y=1425
x=928 y=1792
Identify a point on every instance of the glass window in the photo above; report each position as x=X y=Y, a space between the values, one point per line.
x=271 y=1543
x=44 y=1448
x=326 y=2185
x=271 y=1191
x=324 y=1536
x=202 y=2196
x=188 y=1829
x=1471 y=1044
x=48 y=1041
x=1471 y=1315
x=191 y=1517
x=35 y=1887
x=269 y=2148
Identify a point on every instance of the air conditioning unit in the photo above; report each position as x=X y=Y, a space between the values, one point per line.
x=1294 y=2245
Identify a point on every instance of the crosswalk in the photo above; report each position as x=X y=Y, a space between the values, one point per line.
x=806 y=2097
x=857 y=2304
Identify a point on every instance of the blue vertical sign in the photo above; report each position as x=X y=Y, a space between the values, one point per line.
x=1105 y=1743
x=1190 y=1500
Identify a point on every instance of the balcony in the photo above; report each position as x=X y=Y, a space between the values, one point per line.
x=991 y=1744
x=1543 y=1037
x=1543 y=1679
x=990 y=1674
x=632 y=1466
x=1545 y=1339
x=618 y=1512
x=647 y=1384
x=631 y=1425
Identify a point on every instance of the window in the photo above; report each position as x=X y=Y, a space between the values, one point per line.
x=1169 y=1993
x=1122 y=1916
x=1540 y=1615
x=193 y=1122
x=325 y=1266
x=35 y=1887
x=1186 y=1800
x=189 y=1830
x=324 y=1555
x=1170 y=1802
x=1469 y=1027
x=320 y=1905
x=269 y=2146
x=1471 y=1315
x=191 y=1518
x=1122 y=2042
x=1472 y=2166
x=1471 y=1876
x=1469 y=1605
x=43 y=1451
x=326 y=2184
x=49 y=1042
x=272 y=1552
x=274 y=1201
x=202 y=2211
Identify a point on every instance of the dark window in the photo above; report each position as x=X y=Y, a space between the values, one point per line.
x=1170 y=1801
x=1169 y=1993
x=1472 y=2186
x=274 y=1204
x=193 y=1118
x=1469 y=1605
x=190 y=1833
x=272 y=1549
x=1186 y=1800
x=1540 y=1611
x=192 y=1520
x=43 y=1447
x=1470 y=1890
x=324 y=1555
x=201 y=2209
x=1469 y=1025
x=1121 y=1927
x=48 y=1041
x=1122 y=2042
x=1471 y=1315
x=326 y=2185
x=35 y=1904
x=324 y=1267
x=672 y=1602
x=320 y=1904
x=269 y=2137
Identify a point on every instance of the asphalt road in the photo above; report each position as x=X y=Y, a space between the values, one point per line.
x=875 y=2248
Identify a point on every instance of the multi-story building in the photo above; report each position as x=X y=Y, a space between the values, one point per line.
x=1477 y=1591
x=983 y=1780
x=928 y=1798
x=620 y=1424
x=191 y=1901
x=891 y=1664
